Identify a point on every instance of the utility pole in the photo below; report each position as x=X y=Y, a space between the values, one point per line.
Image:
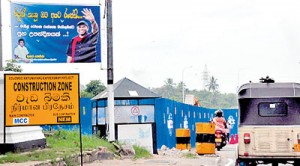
x=1 y=50
x=110 y=73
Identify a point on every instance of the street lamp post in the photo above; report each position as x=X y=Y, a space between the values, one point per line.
x=183 y=82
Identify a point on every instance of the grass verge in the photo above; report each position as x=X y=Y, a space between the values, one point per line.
x=189 y=155
x=60 y=145
x=141 y=152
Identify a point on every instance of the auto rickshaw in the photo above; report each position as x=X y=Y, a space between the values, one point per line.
x=269 y=123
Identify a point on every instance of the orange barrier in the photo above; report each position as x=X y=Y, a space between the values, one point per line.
x=205 y=138
x=183 y=137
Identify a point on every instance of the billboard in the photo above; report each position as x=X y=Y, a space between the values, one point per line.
x=40 y=99
x=48 y=33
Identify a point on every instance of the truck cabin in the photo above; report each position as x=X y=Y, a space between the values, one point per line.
x=269 y=103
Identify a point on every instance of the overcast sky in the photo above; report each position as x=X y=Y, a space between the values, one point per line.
x=238 y=40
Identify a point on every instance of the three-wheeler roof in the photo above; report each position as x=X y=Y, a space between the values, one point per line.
x=269 y=90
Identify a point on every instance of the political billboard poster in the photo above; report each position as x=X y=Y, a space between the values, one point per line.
x=41 y=99
x=49 y=33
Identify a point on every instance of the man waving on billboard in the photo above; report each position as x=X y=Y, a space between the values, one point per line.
x=82 y=48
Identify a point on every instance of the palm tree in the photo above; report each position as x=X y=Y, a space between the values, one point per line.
x=180 y=85
x=212 y=85
x=169 y=82
x=169 y=88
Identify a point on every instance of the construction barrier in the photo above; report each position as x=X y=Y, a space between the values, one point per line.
x=232 y=139
x=183 y=137
x=205 y=138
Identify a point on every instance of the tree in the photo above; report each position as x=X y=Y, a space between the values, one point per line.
x=11 y=66
x=169 y=88
x=86 y=94
x=212 y=85
x=93 y=88
x=209 y=99
x=169 y=82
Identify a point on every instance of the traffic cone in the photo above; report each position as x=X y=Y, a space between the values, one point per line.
x=231 y=139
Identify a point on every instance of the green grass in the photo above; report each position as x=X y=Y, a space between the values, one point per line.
x=71 y=139
x=141 y=152
x=189 y=155
x=60 y=145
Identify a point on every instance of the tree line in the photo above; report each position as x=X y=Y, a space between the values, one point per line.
x=209 y=97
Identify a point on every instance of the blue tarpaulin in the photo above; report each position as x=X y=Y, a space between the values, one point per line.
x=85 y=119
x=170 y=115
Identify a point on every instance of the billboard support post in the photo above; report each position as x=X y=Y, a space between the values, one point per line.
x=96 y=118
x=110 y=75
x=1 y=50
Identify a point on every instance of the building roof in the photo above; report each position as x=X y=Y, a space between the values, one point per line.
x=127 y=89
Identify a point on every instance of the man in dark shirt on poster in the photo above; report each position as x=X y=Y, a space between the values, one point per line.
x=82 y=48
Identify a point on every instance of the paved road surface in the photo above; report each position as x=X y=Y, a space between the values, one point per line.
x=225 y=157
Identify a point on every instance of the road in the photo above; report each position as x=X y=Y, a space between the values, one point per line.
x=225 y=157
